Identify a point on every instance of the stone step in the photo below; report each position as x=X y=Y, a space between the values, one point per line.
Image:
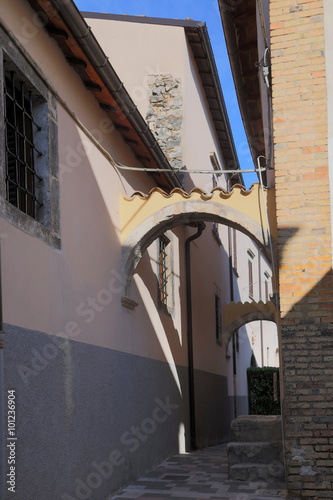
x=270 y=473
x=263 y=452
x=255 y=428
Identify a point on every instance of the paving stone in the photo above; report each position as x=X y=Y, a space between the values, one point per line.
x=207 y=478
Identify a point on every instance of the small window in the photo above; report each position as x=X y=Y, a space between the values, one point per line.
x=234 y=249
x=20 y=148
x=266 y=291
x=250 y=266
x=163 y=269
x=267 y=276
x=218 y=324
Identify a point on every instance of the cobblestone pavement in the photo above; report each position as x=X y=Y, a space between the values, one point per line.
x=198 y=475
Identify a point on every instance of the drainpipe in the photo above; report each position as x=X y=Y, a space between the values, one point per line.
x=232 y=298
x=201 y=226
x=2 y=403
x=260 y=298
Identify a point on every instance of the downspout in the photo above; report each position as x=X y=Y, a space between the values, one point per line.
x=260 y=298
x=201 y=226
x=231 y=283
x=2 y=403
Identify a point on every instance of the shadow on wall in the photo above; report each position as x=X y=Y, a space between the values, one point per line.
x=307 y=354
x=94 y=416
x=215 y=404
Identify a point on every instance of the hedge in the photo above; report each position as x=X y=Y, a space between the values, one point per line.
x=261 y=391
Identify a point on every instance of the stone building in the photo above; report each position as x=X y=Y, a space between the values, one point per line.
x=280 y=53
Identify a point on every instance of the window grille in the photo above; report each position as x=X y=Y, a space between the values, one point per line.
x=21 y=177
x=163 y=279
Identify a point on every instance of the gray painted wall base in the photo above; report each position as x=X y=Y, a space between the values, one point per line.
x=90 y=420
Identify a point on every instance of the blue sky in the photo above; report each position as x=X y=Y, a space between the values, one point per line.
x=198 y=10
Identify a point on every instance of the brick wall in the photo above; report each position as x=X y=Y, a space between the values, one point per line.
x=304 y=241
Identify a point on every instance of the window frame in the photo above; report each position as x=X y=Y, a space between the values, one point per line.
x=250 y=273
x=46 y=223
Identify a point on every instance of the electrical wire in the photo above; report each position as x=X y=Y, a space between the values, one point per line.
x=190 y=171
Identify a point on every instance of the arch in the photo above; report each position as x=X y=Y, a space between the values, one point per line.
x=146 y=217
x=247 y=318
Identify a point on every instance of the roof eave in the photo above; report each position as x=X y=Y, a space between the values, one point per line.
x=217 y=103
x=66 y=24
x=252 y=119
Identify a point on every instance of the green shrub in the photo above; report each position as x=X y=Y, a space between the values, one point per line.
x=261 y=391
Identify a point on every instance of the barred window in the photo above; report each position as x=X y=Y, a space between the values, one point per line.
x=29 y=165
x=163 y=277
x=20 y=149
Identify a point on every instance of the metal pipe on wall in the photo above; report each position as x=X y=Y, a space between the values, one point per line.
x=260 y=298
x=231 y=283
x=201 y=226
